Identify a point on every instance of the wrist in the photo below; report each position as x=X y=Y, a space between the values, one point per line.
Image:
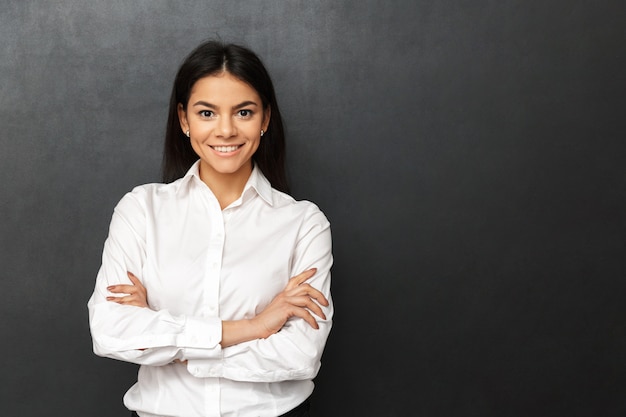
x=258 y=328
x=239 y=331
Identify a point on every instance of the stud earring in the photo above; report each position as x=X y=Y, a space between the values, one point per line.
x=262 y=132
x=187 y=133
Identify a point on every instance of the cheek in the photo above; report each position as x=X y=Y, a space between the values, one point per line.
x=197 y=147
x=255 y=145
x=253 y=136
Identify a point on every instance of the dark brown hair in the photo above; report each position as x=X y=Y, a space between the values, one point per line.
x=213 y=57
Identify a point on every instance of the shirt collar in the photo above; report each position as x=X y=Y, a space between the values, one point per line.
x=260 y=184
x=257 y=182
x=193 y=172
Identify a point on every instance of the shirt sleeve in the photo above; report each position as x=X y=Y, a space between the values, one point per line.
x=141 y=335
x=293 y=353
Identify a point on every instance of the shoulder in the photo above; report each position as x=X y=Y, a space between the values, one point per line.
x=281 y=203
x=144 y=197
x=308 y=211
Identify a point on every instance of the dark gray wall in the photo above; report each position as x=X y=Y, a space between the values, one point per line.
x=469 y=154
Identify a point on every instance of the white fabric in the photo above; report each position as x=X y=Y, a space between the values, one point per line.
x=201 y=265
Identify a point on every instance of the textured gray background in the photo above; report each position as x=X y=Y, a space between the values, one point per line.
x=469 y=154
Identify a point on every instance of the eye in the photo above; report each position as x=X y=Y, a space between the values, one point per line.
x=245 y=113
x=206 y=113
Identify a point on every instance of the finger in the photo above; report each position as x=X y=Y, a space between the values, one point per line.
x=134 y=279
x=306 y=302
x=122 y=300
x=308 y=290
x=306 y=316
x=319 y=297
x=126 y=288
x=301 y=278
x=127 y=299
x=316 y=309
x=123 y=288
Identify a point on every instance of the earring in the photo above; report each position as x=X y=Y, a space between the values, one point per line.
x=262 y=132
x=187 y=133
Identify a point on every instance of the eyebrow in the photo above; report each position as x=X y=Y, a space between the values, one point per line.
x=213 y=106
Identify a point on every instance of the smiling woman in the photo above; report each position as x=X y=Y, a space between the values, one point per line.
x=217 y=282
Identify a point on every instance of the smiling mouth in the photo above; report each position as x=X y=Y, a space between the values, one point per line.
x=226 y=149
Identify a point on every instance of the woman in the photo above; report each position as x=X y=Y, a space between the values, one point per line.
x=195 y=279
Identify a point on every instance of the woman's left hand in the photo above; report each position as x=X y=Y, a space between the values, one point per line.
x=136 y=294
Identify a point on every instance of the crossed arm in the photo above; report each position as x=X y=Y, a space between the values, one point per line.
x=297 y=299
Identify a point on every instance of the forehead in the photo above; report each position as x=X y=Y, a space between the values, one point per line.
x=223 y=87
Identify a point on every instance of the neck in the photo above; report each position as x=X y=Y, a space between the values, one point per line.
x=226 y=187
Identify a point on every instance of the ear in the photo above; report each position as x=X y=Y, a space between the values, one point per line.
x=267 y=113
x=182 y=118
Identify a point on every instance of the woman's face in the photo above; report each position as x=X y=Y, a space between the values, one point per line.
x=224 y=117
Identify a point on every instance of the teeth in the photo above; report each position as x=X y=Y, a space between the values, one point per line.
x=226 y=148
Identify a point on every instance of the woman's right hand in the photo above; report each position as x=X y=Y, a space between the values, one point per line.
x=297 y=299
x=131 y=295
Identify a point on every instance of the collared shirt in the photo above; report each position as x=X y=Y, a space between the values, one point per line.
x=201 y=265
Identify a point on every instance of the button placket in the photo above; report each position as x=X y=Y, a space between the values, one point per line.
x=212 y=397
x=213 y=260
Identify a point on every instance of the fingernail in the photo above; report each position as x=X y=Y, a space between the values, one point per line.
x=111 y=288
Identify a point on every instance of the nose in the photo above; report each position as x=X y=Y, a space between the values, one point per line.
x=226 y=128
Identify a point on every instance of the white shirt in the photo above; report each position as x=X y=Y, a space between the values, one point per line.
x=201 y=265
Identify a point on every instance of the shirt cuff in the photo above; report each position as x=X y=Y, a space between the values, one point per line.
x=206 y=368
x=201 y=333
